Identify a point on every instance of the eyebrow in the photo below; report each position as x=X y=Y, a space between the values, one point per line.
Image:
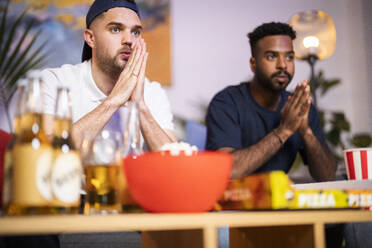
x=276 y=52
x=121 y=25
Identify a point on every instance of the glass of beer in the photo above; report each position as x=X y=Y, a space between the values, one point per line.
x=102 y=164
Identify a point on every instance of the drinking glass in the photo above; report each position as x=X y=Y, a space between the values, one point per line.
x=102 y=164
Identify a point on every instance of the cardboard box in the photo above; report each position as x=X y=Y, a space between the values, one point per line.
x=275 y=190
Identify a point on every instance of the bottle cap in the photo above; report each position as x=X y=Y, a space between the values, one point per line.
x=33 y=74
x=22 y=82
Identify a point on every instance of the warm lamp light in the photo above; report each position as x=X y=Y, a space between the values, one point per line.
x=310 y=41
x=316 y=39
x=312 y=44
x=314 y=28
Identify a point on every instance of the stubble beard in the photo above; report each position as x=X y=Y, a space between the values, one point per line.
x=268 y=82
x=110 y=65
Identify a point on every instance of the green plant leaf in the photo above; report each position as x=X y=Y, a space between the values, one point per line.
x=324 y=85
x=10 y=94
x=3 y=23
x=327 y=85
x=333 y=136
x=21 y=58
x=339 y=121
x=4 y=50
x=32 y=62
x=361 y=140
x=15 y=63
x=16 y=50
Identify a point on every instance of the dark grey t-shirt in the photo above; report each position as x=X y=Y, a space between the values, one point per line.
x=235 y=120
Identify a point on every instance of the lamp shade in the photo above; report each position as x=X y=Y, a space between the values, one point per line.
x=316 y=34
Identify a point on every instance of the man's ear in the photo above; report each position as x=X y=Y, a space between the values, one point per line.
x=89 y=37
x=252 y=62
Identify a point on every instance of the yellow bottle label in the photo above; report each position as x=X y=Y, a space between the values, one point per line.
x=66 y=177
x=7 y=177
x=32 y=164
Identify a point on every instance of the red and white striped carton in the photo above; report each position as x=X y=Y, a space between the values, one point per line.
x=358 y=163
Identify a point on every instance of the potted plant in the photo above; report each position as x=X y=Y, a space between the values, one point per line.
x=336 y=127
x=17 y=54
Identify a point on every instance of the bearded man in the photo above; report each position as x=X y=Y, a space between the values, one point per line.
x=261 y=124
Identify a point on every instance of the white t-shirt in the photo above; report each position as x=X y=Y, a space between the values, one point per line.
x=86 y=96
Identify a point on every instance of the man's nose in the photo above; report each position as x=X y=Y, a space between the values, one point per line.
x=127 y=38
x=281 y=63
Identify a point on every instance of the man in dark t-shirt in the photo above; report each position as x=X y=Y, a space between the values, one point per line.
x=261 y=124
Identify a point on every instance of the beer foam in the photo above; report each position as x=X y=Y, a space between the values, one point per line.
x=177 y=147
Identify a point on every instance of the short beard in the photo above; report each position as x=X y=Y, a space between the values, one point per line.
x=267 y=82
x=109 y=65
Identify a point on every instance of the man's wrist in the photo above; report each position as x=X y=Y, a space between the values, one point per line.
x=279 y=138
x=282 y=133
x=142 y=107
x=305 y=131
x=110 y=103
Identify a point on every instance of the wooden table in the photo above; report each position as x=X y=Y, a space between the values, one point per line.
x=198 y=230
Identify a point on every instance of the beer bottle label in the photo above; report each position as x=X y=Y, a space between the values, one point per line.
x=31 y=172
x=43 y=173
x=66 y=177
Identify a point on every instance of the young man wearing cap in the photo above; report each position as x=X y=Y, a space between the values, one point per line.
x=262 y=124
x=111 y=74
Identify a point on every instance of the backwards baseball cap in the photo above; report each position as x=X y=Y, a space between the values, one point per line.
x=98 y=7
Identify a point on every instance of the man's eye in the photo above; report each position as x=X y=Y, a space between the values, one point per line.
x=270 y=57
x=115 y=30
x=290 y=57
x=136 y=32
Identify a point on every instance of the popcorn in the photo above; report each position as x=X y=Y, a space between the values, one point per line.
x=176 y=147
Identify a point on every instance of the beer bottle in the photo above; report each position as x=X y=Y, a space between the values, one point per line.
x=8 y=163
x=132 y=147
x=66 y=172
x=32 y=158
x=132 y=131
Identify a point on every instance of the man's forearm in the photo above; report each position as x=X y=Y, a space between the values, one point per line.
x=322 y=163
x=94 y=121
x=249 y=159
x=155 y=137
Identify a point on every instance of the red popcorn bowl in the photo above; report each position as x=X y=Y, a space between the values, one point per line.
x=164 y=183
x=358 y=162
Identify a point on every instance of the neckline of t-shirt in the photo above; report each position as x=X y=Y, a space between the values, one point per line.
x=98 y=95
x=282 y=99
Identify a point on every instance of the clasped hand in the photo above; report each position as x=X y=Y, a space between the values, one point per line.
x=295 y=113
x=130 y=84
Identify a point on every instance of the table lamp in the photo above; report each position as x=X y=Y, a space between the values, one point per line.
x=316 y=39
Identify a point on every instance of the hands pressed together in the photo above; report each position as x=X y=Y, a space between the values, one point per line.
x=130 y=85
x=294 y=115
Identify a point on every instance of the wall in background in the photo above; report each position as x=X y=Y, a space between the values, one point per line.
x=367 y=27
x=210 y=51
